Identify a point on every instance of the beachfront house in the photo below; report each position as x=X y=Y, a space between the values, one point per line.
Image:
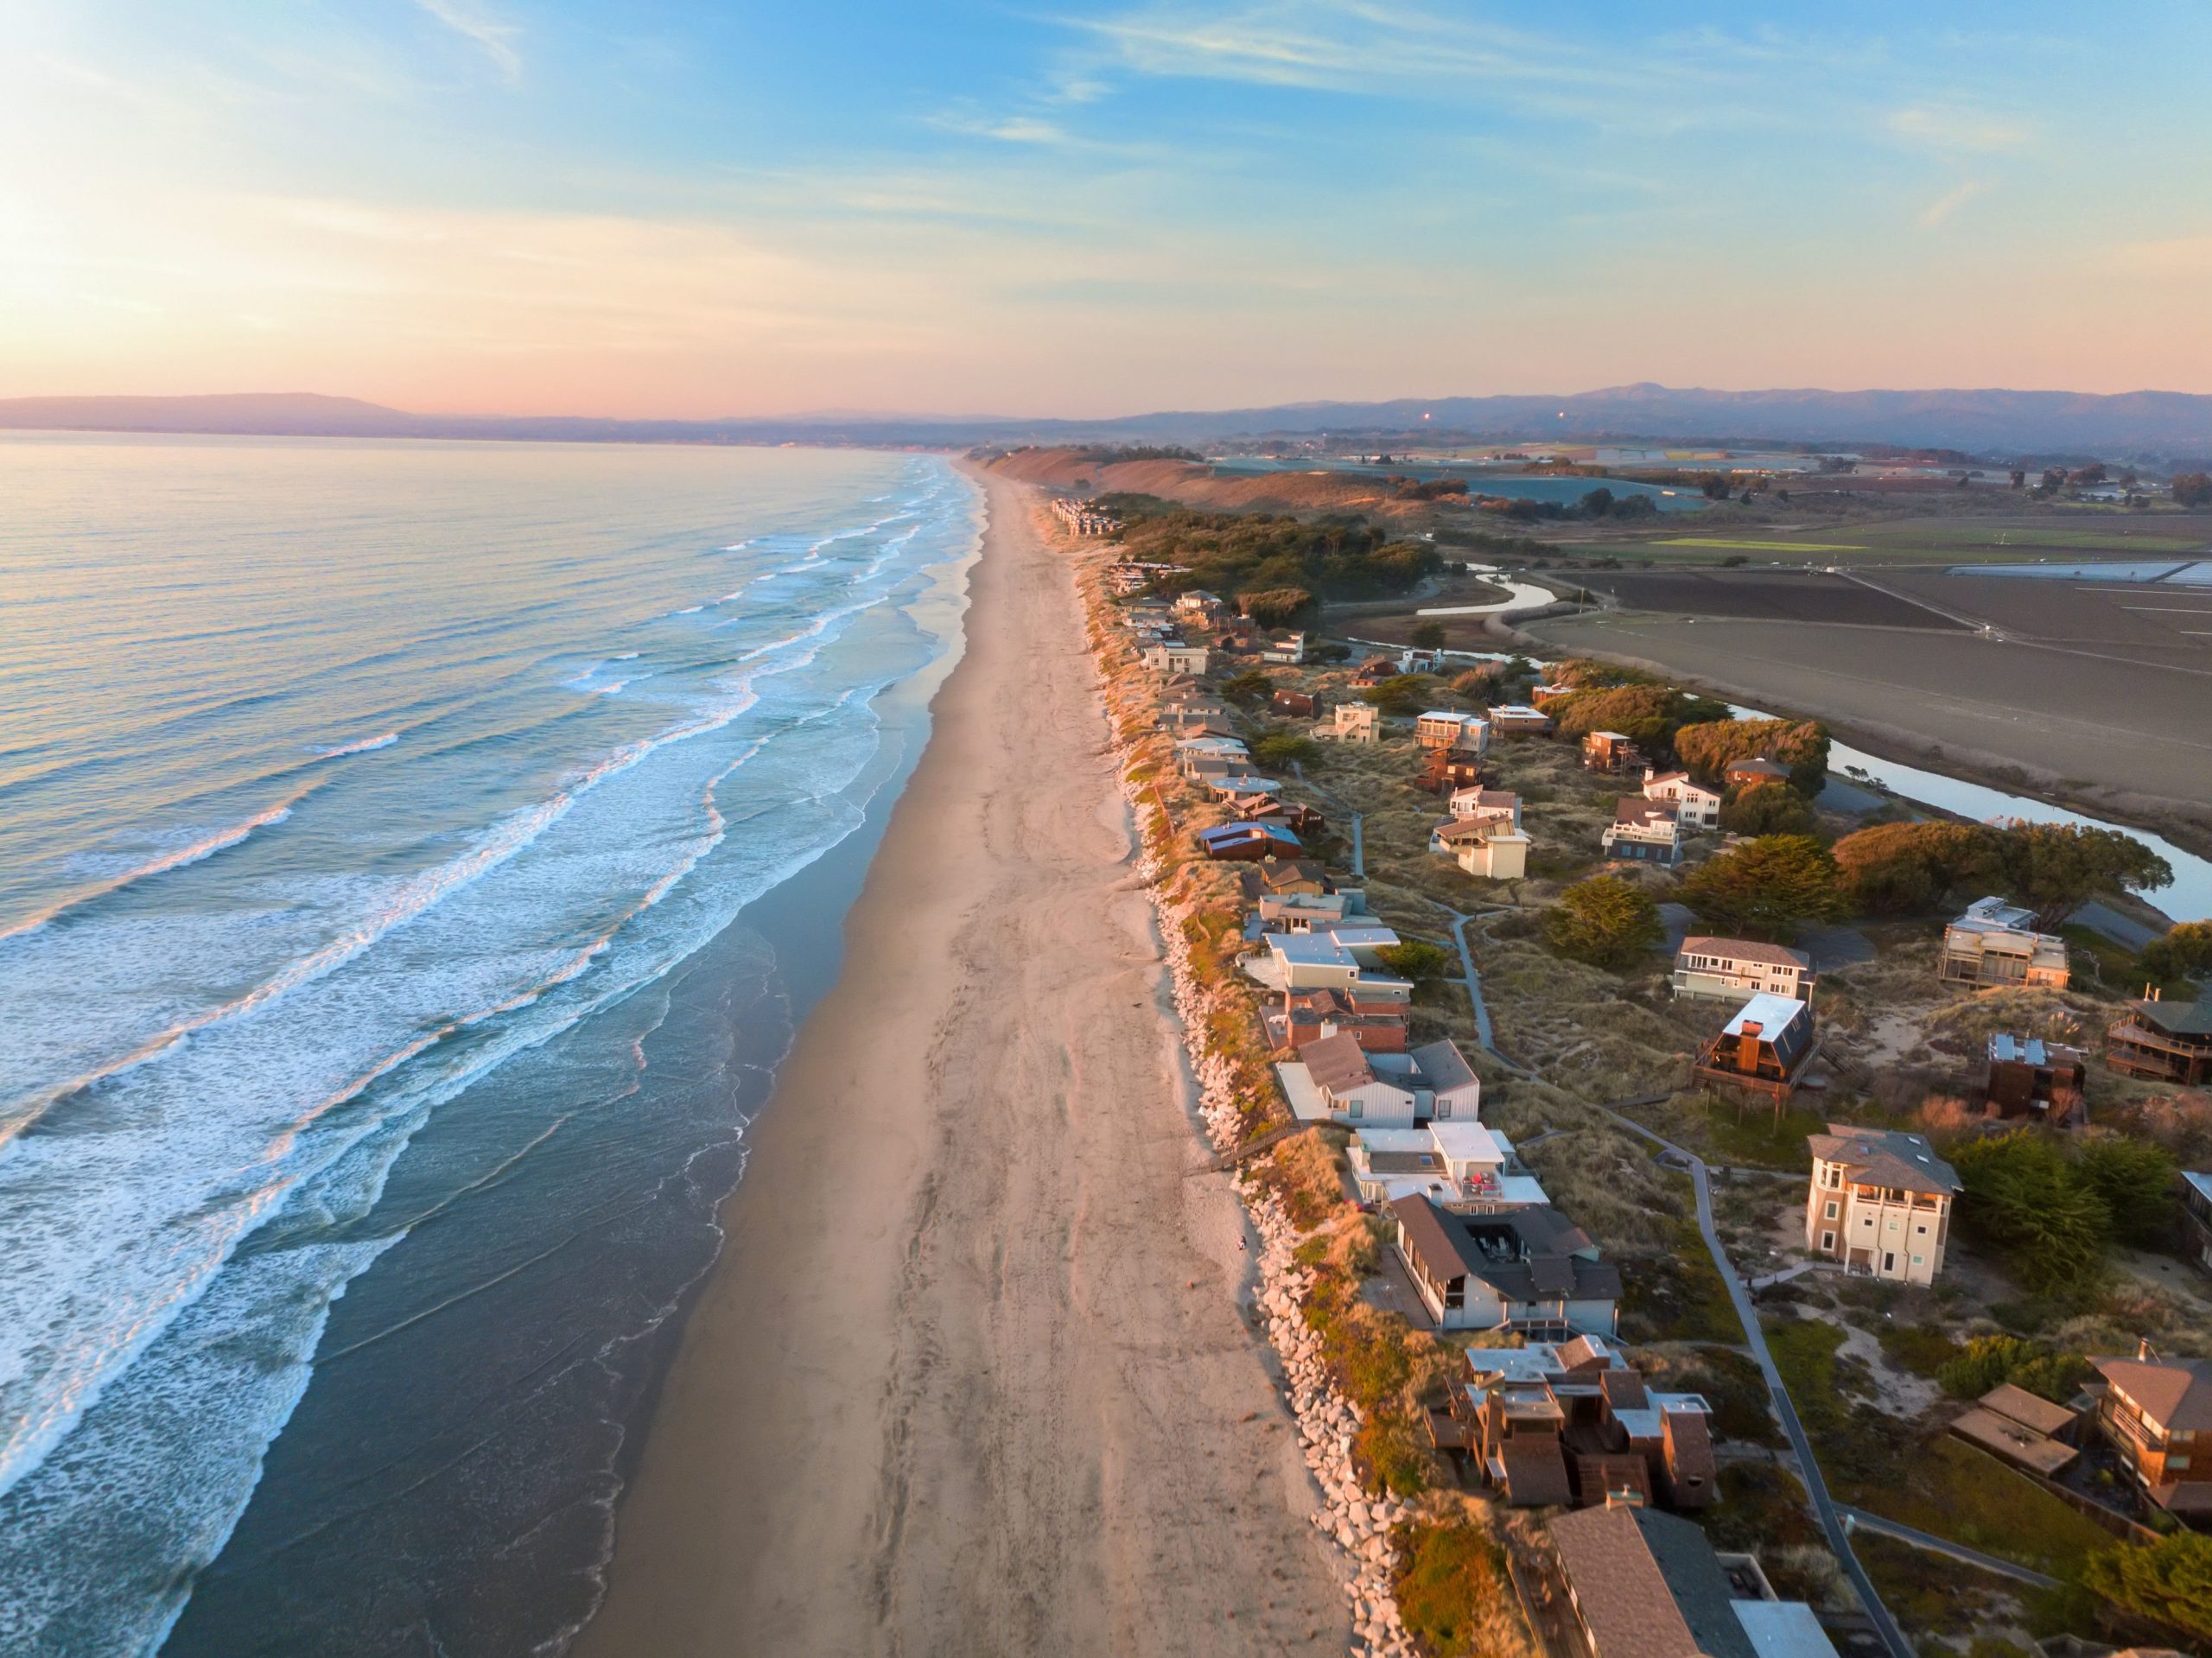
x=1642 y=1584
x=2156 y=1414
x=1729 y=969
x=1243 y=790
x=1643 y=831
x=1570 y=1423
x=1173 y=657
x=1531 y=1270
x=1327 y=956
x=1766 y=1049
x=1200 y=606
x=1995 y=944
x=1288 y=878
x=1351 y=722
x=1880 y=1201
x=1695 y=806
x=1449 y=1161
x=1378 y=1025
x=1338 y=1080
x=2164 y=1041
x=1247 y=842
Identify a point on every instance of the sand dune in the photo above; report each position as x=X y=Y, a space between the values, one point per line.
x=972 y=1377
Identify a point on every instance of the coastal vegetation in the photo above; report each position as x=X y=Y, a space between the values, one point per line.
x=1766 y=888
x=1708 y=749
x=1335 y=556
x=2052 y=868
x=1605 y=921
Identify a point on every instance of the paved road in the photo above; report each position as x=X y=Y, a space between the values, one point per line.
x=1863 y=1520
x=1831 y=1517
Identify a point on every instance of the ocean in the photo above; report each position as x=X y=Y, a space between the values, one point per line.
x=414 y=858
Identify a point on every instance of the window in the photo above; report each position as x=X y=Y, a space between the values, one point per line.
x=1359 y=1109
x=1827 y=1242
x=1830 y=1215
x=1889 y=1260
x=1444 y=1110
x=1919 y=1260
x=1922 y=1228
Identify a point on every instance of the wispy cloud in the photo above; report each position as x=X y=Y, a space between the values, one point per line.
x=495 y=38
x=1951 y=127
x=1936 y=211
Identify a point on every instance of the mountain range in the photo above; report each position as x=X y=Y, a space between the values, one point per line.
x=1996 y=423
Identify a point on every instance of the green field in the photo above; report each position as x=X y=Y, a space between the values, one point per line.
x=1759 y=546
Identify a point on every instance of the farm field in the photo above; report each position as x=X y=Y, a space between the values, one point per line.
x=2117 y=728
x=1764 y=596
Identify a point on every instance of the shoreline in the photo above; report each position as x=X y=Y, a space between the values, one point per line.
x=971 y=1373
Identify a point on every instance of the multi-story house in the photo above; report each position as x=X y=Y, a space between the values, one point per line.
x=1880 y=1202
x=2164 y=1041
x=2157 y=1416
x=1996 y=943
x=1441 y=728
x=1351 y=722
x=1645 y=830
x=1530 y=1270
x=1729 y=969
x=1695 y=806
x=2196 y=1218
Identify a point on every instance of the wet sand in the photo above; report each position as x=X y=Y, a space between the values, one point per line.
x=972 y=1374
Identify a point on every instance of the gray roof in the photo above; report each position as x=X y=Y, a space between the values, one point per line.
x=1443 y=1064
x=1337 y=1063
x=1648 y=1586
x=1524 y=1254
x=2175 y=1392
x=1748 y=950
x=2175 y=1019
x=1886 y=1157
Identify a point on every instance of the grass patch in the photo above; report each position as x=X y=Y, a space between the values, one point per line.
x=1931 y=1594
x=1804 y=1352
x=1754 y=1138
x=1952 y=1490
x=1918 y=1349
x=1455 y=1593
x=1678 y=1296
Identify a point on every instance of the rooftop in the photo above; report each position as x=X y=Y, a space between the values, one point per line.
x=1884 y=1157
x=1748 y=950
x=1648 y=1586
x=2176 y=1393
x=1772 y=1014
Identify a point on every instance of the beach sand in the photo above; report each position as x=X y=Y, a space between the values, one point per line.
x=972 y=1376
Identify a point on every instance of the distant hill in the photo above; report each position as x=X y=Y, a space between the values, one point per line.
x=1988 y=421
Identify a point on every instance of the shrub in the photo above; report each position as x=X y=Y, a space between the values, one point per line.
x=1452 y=1583
x=1605 y=921
x=1418 y=960
x=1285 y=749
x=2185 y=952
x=1649 y=715
x=1908 y=868
x=1278 y=606
x=1427 y=636
x=2023 y=1195
x=1250 y=686
x=2169 y=1581
x=2135 y=1179
x=1708 y=746
x=1402 y=695
x=1772 y=808
x=1989 y=1360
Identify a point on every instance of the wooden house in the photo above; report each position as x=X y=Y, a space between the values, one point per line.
x=1751 y=773
x=1766 y=1049
x=2164 y=1042
x=1291 y=704
x=1609 y=751
x=2026 y=1077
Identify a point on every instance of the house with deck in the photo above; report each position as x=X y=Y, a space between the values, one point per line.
x=1696 y=807
x=1643 y=831
x=2196 y=1218
x=1351 y=722
x=1510 y=721
x=1729 y=969
x=1880 y=1201
x=1491 y=847
x=1645 y=1585
x=1571 y=1424
x=1284 y=647
x=1610 y=751
x=1247 y=842
x=1995 y=944
x=2164 y=1041
x=1451 y=1161
x=2156 y=1414
x=1765 y=1050
x=1300 y=1017
x=1531 y=1271
x=1174 y=657
x=1440 y=728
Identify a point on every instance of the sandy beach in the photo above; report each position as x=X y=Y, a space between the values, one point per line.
x=972 y=1376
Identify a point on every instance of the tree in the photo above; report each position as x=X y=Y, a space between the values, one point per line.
x=1770 y=808
x=2185 y=952
x=1285 y=749
x=1605 y=921
x=1248 y=687
x=1767 y=888
x=2056 y=868
x=1908 y=868
x=1277 y=607
x=2192 y=489
x=1402 y=694
x=2135 y=1179
x=1649 y=715
x=1989 y=1360
x=2023 y=1195
x=1416 y=959
x=1707 y=747
x=2169 y=1581
x=1427 y=636
x=1597 y=503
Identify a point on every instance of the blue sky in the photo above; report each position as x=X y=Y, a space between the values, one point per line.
x=1093 y=209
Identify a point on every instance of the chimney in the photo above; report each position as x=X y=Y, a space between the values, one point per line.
x=1747 y=1047
x=2145 y=1352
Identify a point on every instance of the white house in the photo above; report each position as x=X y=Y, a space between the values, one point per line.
x=1475 y=804
x=1519 y=720
x=1172 y=657
x=1729 y=969
x=1490 y=847
x=1880 y=1202
x=1449 y=1161
x=1695 y=806
x=1289 y=647
x=1336 y=1078
x=1351 y=722
x=1644 y=830
x=1330 y=955
x=1531 y=1270
x=1440 y=728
